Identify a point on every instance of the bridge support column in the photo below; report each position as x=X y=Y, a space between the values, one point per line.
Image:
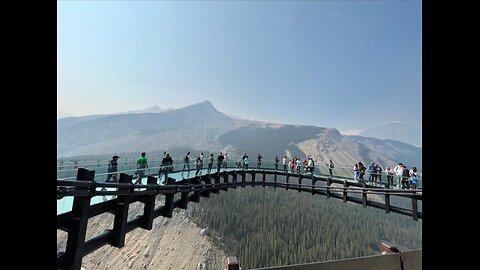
x=78 y=229
x=121 y=215
x=149 y=202
x=195 y=197
x=208 y=181
x=313 y=184
x=345 y=185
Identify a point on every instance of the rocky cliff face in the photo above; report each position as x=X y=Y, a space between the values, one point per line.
x=175 y=243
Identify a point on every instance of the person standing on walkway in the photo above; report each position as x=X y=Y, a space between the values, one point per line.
x=259 y=161
x=166 y=167
x=210 y=163
x=142 y=164
x=276 y=163
x=219 y=161
x=330 y=167
x=112 y=169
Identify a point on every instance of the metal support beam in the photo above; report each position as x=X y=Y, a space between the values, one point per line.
x=345 y=185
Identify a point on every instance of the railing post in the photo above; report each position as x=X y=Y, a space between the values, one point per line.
x=195 y=197
x=313 y=184
x=78 y=229
x=216 y=179
x=168 y=207
x=414 y=208
x=286 y=180
x=264 y=178
x=299 y=182
x=387 y=202
x=275 y=178
x=243 y=178
x=225 y=181
x=234 y=180
x=121 y=215
x=253 y=177
x=364 y=197
x=149 y=206
x=208 y=181
x=231 y=263
x=183 y=199
x=328 y=187
x=345 y=185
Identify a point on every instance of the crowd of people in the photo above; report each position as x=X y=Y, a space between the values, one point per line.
x=400 y=176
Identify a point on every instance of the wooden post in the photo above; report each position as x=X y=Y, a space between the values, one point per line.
x=231 y=263
x=243 y=178
x=387 y=202
x=414 y=208
x=78 y=229
x=253 y=177
x=264 y=178
x=121 y=215
x=183 y=200
x=208 y=181
x=364 y=197
x=328 y=187
x=216 y=179
x=168 y=207
x=149 y=202
x=286 y=180
x=275 y=178
x=234 y=180
x=299 y=182
x=225 y=181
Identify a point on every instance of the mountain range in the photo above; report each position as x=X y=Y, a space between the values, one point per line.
x=398 y=131
x=202 y=127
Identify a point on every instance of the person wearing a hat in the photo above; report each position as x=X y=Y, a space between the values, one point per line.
x=112 y=169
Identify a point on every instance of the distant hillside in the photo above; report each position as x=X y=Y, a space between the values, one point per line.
x=395 y=131
x=394 y=151
x=200 y=127
x=197 y=126
x=61 y=114
x=153 y=109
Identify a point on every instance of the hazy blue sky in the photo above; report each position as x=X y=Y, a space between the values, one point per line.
x=342 y=64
